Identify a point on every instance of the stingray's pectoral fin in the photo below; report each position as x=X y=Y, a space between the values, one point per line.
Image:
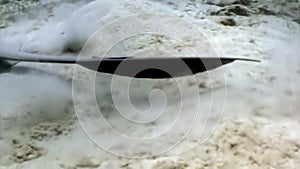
x=5 y=65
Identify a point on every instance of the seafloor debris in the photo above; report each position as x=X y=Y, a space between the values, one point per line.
x=236 y=144
x=9 y=9
x=50 y=129
x=227 y=2
x=249 y=7
x=227 y=22
x=233 y=10
x=166 y=163
x=25 y=151
x=249 y=144
x=297 y=20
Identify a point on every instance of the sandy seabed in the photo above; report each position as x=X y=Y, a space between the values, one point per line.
x=259 y=121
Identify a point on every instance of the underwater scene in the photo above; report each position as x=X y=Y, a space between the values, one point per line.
x=149 y=84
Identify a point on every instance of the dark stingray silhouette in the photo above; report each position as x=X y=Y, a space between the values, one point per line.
x=153 y=68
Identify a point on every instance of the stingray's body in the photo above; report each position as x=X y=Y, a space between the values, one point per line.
x=153 y=68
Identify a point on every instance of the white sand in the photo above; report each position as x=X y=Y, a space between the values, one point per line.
x=261 y=120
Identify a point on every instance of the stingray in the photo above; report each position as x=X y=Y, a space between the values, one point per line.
x=135 y=67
